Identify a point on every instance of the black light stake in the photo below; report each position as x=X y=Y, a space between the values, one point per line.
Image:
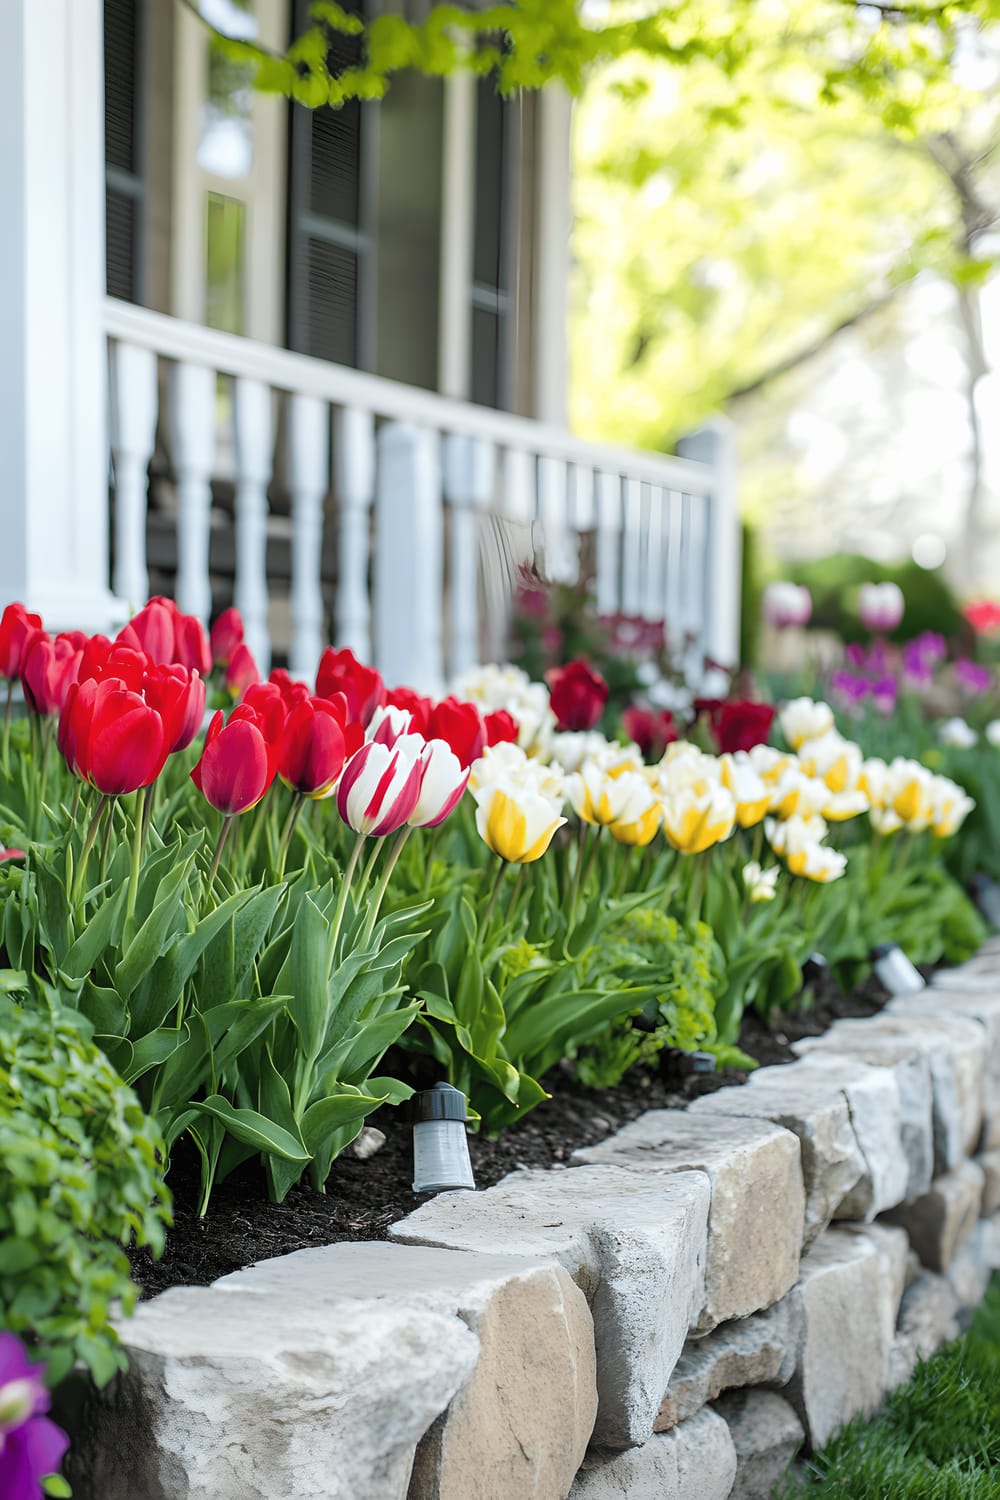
x=440 y=1145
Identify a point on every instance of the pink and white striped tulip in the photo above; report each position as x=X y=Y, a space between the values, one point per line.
x=881 y=606
x=441 y=790
x=388 y=724
x=380 y=785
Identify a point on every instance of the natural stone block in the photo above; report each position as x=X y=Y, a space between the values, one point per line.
x=636 y=1245
x=766 y=1434
x=756 y=1218
x=990 y=1163
x=940 y=1222
x=892 y=1246
x=982 y=1005
x=832 y=1162
x=971 y=1270
x=843 y=1360
x=519 y=1426
x=928 y=1318
x=697 y=1461
x=956 y=1047
x=233 y=1396
x=912 y=1075
x=953 y=1047
x=759 y=1350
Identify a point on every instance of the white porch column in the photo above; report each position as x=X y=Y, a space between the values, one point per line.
x=53 y=361
x=554 y=218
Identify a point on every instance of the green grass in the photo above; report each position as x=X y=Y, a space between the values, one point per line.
x=937 y=1438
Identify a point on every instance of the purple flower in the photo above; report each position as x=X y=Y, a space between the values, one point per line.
x=31 y=1446
x=883 y=691
x=932 y=646
x=848 y=688
x=918 y=667
x=856 y=654
x=973 y=678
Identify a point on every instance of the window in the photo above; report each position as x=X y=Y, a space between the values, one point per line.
x=124 y=178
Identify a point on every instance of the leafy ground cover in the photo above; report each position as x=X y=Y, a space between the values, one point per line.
x=937 y=1438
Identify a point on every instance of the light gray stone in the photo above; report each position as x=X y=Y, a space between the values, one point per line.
x=982 y=1005
x=756 y=1218
x=696 y=1461
x=766 y=1434
x=928 y=1318
x=233 y=1396
x=843 y=1359
x=519 y=1426
x=990 y=1163
x=892 y=1246
x=832 y=1161
x=874 y=1104
x=636 y=1245
x=971 y=1269
x=957 y=1050
x=759 y=1350
x=953 y=1047
x=940 y=1222
x=978 y=974
x=912 y=1074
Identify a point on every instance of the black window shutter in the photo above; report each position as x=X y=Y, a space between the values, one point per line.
x=330 y=239
x=123 y=146
x=492 y=249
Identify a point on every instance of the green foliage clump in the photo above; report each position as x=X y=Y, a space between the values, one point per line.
x=647 y=947
x=834 y=583
x=937 y=1438
x=81 y=1178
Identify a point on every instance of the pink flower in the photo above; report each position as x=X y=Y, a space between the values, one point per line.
x=786 y=604
x=31 y=1446
x=380 y=786
x=881 y=606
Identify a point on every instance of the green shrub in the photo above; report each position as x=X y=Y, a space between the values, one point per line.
x=80 y=1179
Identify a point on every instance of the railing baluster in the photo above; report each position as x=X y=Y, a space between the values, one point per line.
x=409 y=557
x=553 y=512
x=309 y=480
x=252 y=437
x=354 y=487
x=134 y=402
x=609 y=528
x=468 y=489
x=675 y=566
x=632 y=548
x=518 y=489
x=193 y=428
x=652 y=606
x=582 y=511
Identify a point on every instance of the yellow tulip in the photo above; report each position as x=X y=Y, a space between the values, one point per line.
x=693 y=821
x=750 y=793
x=803 y=720
x=817 y=862
x=517 y=824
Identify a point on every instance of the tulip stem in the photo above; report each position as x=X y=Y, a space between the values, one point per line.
x=287 y=833
x=224 y=832
x=369 y=868
x=515 y=888
x=498 y=877
x=106 y=843
x=7 y=714
x=345 y=886
x=88 y=844
x=390 y=865
x=133 y=882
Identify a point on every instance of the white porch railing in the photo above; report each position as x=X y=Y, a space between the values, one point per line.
x=431 y=503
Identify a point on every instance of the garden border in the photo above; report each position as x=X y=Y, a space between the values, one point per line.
x=680 y=1284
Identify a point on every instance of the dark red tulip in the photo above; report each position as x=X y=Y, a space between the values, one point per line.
x=227 y=634
x=738 y=723
x=416 y=705
x=577 y=694
x=235 y=768
x=242 y=671
x=313 y=748
x=48 y=669
x=363 y=687
x=652 y=731
x=461 y=726
x=16 y=624
x=501 y=728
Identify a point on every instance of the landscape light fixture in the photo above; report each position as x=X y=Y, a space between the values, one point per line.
x=440 y=1144
x=895 y=971
x=986 y=894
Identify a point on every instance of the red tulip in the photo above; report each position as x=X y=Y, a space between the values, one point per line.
x=151 y=630
x=501 y=728
x=227 y=634
x=48 y=669
x=341 y=672
x=417 y=706
x=191 y=647
x=461 y=726
x=242 y=671
x=104 y=658
x=235 y=768
x=111 y=737
x=650 y=730
x=577 y=694
x=737 y=724
x=179 y=698
x=313 y=748
x=16 y=625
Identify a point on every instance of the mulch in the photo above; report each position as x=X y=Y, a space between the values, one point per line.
x=364 y=1197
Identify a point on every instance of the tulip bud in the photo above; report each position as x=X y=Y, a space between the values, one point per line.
x=235 y=769
x=518 y=824
x=16 y=625
x=312 y=748
x=881 y=606
x=786 y=604
x=577 y=695
x=227 y=634
x=441 y=789
x=112 y=737
x=379 y=787
x=461 y=726
x=241 y=672
x=363 y=687
x=48 y=669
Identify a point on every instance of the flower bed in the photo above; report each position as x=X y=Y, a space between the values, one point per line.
x=333 y=896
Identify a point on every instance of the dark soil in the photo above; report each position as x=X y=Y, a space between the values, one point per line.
x=364 y=1197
